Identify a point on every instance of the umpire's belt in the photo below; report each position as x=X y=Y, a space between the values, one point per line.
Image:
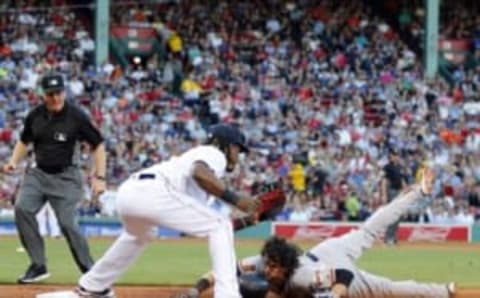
x=53 y=169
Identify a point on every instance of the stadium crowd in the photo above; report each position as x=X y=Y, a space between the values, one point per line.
x=325 y=90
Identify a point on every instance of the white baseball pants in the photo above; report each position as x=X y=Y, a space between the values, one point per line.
x=145 y=204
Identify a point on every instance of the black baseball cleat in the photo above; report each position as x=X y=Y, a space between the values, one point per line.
x=84 y=293
x=35 y=273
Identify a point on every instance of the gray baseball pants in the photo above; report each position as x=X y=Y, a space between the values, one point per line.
x=63 y=191
x=344 y=251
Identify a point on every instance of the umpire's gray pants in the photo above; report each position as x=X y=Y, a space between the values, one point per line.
x=63 y=191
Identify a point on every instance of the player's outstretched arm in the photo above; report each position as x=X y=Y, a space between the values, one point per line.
x=202 y=288
x=248 y=281
x=206 y=179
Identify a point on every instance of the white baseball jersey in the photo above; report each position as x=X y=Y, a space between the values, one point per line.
x=166 y=195
x=178 y=169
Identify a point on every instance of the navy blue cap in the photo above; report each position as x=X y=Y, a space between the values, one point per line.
x=52 y=82
x=228 y=134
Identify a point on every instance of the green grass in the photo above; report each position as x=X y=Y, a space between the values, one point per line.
x=171 y=262
x=423 y=264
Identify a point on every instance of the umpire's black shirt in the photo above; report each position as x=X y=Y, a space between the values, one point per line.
x=54 y=135
x=395 y=176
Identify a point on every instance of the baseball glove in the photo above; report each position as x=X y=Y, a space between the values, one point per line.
x=272 y=204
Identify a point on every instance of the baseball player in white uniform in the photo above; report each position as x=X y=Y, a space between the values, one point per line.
x=328 y=270
x=175 y=194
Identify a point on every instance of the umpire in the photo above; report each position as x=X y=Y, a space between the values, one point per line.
x=393 y=182
x=54 y=128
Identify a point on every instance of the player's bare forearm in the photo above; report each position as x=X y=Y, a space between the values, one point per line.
x=99 y=172
x=100 y=160
x=207 y=180
x=19 y=152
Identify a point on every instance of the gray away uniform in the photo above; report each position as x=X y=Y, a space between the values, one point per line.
x=344 y=251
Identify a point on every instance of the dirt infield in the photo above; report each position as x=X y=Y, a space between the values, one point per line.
x=30 y=291
x=139 y=292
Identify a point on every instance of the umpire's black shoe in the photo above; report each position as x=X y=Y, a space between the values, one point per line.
x=35 y=273
x=84 y=293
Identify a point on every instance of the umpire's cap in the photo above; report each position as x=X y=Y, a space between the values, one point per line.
x=228 y=134
x=52 y=82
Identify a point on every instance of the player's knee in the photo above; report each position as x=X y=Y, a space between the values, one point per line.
x=147 y=237
x=143 y=236
x=67 y=224
x=140 y=239
x=66 y=228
